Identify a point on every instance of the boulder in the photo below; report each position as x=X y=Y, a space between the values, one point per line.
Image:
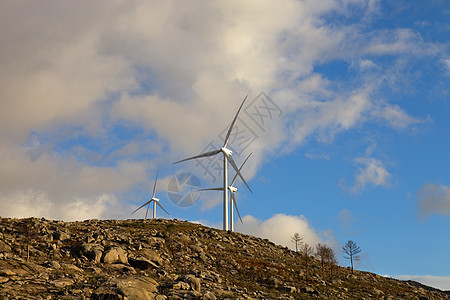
x=91 y=251
x=61 y=235
x=53 y=264
x=131 y=288
x=115 y=255
x=142 y=263
x=151 y=255
x=193 y=281
x=209 y=296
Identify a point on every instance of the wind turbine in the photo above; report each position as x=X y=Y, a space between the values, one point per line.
x=226 y=157
x=232 y=190
x=154 y=200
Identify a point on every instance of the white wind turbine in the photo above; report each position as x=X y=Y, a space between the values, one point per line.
x=154 y=200
x=232 y=190
x=226 y=157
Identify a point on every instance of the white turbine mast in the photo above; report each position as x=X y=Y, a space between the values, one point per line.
x=154 y=200
x=226 y=157
x=232 y=190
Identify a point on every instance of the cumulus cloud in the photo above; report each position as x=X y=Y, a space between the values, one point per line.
x=33 y=203
x=75 y=75
x=439 y=282
x=433 y=199
x=371 y=172
x=280 y=228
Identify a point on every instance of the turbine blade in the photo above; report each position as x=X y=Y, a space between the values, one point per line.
x=154 y=187
x=206 y=154
x=233 y=198
x=227 y=137
x=212 y=189
x=235 y=176
x=141 y=206
x=233 y=164
x=146 y=212
x=162 y=208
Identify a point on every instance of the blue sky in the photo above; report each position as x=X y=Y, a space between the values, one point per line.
x=96 y=97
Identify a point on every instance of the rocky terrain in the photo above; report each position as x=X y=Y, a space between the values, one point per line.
x=170 y=259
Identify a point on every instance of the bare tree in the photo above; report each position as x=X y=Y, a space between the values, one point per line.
x=321 y=253
x=327 y=260
x=28 y=231
x=307 y=251
x=351 y=250
x=331 y=261
x=297 y=240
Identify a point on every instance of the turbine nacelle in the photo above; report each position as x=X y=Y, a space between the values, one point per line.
x=155 y=199
x=232 y=189
x=226 y=151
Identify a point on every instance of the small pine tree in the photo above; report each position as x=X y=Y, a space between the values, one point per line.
x=297 y=240
x=351 y=251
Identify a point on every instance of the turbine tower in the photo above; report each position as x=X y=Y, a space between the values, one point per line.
x=226 y=157
x=154 y=200
x=232 y=190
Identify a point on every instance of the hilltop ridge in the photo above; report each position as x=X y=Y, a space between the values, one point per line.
x=170 y=259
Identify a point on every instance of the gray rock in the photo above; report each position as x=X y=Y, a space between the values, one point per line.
x=193 y=281
x=180 y=285
x=115 y=255
x=209 y=296
x=6 y=272
x=289 y=289
x=4 y=247
x=131 y=288
x=308 y=289
x=150 y=255
x=91 y=251
x=142 y=263
x=62 y=282
x=53 y=264
x=3 y=279
x=196 y=248
x=61 y=236
x=71 y=268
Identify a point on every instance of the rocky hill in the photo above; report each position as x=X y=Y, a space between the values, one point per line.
x=170 y=259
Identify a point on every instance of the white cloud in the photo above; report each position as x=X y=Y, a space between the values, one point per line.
x=391 y=42
x=34 y=203
x=439 y=282
x=433 y=199
x=371 y=172
x=331 y=117
x=366 y=64
x=280 y=228
x=176 y=71
x=56 y=187
x=395 y=116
